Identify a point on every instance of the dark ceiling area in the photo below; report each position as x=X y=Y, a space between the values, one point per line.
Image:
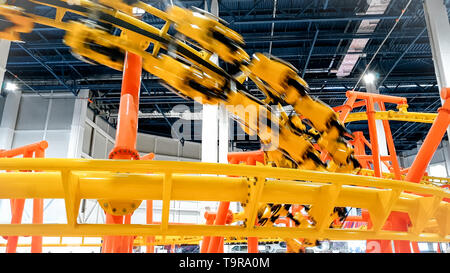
x=315 y=36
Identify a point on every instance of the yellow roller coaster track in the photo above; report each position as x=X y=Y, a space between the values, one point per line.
x=197 y=77
x=394 y=116
x=432 y=180
x=142 y=241
x=76 y=179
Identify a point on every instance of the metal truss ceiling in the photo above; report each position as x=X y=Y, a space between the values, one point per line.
x=315 y=36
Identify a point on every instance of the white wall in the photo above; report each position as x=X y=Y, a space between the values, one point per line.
x=439 y=165
x=47 y=119
x=99 y=140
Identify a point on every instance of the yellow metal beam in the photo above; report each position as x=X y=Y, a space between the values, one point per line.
x=95 y=230
x=431 y=180
x=164 y=180
x=195 y=188
x=140 y=241
x=393 y=115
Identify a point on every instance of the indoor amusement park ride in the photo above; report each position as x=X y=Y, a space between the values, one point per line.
x=305 y=178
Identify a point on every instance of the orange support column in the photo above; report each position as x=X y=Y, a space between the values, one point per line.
x=38 y=218
x=127 y=241
x=215 y=244
x=107 y=240
x=377 y=246
x=38 y=213
x=252 y=243
x=347 y=107
x=400 y=222
x=415 y=247
x=250 y=158
x=373 y=136
x=390 y=144
x=150 y=239
x=360 y=148
x=16 y=218
x=125 y=147
x=17 y=206
x=207 y=239
x=220 y=220
x=221 y=245
x=432 y=141
x=150 y=247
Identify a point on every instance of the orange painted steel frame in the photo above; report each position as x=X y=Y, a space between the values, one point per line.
x=369 y=100
x=396 y=221
x=125 y=147
x=17 y=205
x=206 y=239
x=215 y=244
x=430 y=144
x=150 y=248
x=432 y=140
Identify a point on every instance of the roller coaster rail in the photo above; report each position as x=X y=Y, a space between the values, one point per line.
x=76 y=179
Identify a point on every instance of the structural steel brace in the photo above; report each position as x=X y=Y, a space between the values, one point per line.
x=17 y=205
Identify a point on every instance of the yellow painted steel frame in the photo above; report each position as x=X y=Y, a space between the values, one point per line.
x=432 y=180
x=393 y=115
x=76 y=179
x=159 y=240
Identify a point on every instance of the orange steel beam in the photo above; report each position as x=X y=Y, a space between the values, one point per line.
x=125 y=146
x=150 y=248
x=423 y=158
x=396 y=221
x=369 y=157
x=207 y=239
x=369 y=100
x=390 y=144
x=16 y=218
x=221 y=245
x=149 y=156
x=346 y=108
x=373 y=136
x=250 y=158
x=222 y=211
x=257 y=156
x=35 y=147
x=415 y=247
x=359 y=148
x=378 y=97
x=432 y=140
x=215 y=244
x=150 y=239
x=38 y=208
x=17 y=205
